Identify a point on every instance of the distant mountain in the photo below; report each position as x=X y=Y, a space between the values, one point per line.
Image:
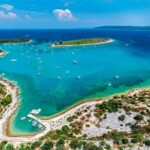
x=123 y=27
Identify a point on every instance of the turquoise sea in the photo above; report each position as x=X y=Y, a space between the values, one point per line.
x=49 y=80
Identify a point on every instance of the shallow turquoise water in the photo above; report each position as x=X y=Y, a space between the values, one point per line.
x=38 y=67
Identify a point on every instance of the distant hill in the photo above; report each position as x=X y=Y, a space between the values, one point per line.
x=123 y=27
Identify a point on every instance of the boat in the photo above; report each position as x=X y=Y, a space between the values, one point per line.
x=117 y=77
x=13 y=60
x=78 y=77
x=109 y=84
x=75 y=61
x=59 y=78
x=22 y=118
x=35 y=111
x=67 y=71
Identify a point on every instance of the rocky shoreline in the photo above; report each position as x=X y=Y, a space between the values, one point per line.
x=66 y=118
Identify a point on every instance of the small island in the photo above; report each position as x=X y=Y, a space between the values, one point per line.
x=17 y=40
x=2 y=53
x=82 y=42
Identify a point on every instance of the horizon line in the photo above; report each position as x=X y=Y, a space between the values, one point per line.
x=140 y=26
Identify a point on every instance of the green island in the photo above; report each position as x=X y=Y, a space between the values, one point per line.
x=89 y=41
x=17 y=40
x=119 y=122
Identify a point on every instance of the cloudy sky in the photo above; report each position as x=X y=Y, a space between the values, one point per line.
x=73 y=13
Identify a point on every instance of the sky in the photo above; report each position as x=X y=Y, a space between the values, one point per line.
x=51 y=14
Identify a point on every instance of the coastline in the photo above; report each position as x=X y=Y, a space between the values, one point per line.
x=16 y=42
x=82 y=101
x=58 y=46
x=14 y=91
x=54 y=122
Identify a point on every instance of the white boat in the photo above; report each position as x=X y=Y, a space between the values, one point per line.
x=117 y=77
x=35 y=111
x=78 y=77
x=109 y=84
x=67 y=71
x=59 y=78
x=75 y=61
x=13 y=60
x=22 y=118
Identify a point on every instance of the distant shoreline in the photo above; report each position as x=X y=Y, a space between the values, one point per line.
x=14 y=41
x=88 y=44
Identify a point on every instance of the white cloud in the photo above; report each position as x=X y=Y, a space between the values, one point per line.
x=6 y=12
x=6 y=6
x=9 y=15
x=64 y=15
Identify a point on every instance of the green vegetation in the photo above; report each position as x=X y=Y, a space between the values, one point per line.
x=107 y=106
x=108 y=147
x=74 y=144
x=91 y=146
x=122 y=117
x=6 y=146
x=147 y=142
x=138 y=117
x=47 y=145
x=72 y=118
x=82 y=42
x=5 y=99
x=19 y=40
x=60 y=144
x=36 y=144
x=9 y=147
x=125 y=141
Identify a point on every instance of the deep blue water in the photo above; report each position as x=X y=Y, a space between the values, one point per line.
x=38 y=67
